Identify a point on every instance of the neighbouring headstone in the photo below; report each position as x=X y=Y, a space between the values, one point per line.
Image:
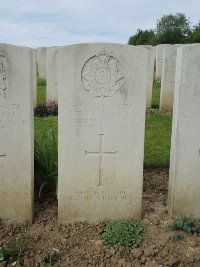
x=159 y=60
x=102 y=99
x=184 y=182
x=168 y=77
x=35 y=79
x=150 y=73
x=41 y=62
x=52 y=81
x=16 y=133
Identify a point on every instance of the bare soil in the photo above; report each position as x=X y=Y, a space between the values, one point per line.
x=80 y=244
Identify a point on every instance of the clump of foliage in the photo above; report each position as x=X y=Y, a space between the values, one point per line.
x=14 y=250
x=173 y=29
x=170 y=29
x=177 y=236
x=41 y=110
x=195 y=36
x=185 y=224
x=50 y=108
x=143 y=37
x=46 y=161
x=123 y=233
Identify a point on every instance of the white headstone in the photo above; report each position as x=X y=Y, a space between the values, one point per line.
x=41 y=60
x=150 y=73
x=52 y=81
x=159 y=60
x=35 y=79
x=16 y=133
x=168 y=77
x=102 y=99
x=184 y=183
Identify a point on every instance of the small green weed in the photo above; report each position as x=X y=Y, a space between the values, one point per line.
x=185 y=224
x=1 y=254
x=123 y=233
x=46 y=161
x=177 y=236
x=14 y=250
x=50 y=257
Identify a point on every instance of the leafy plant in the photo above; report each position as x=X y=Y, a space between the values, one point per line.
x=177 y=236
x=143 y=37
x=185 y=224
x=124 y=233
x=41 y=110
x=46 y=161
x=50 y=257
x=14 y=250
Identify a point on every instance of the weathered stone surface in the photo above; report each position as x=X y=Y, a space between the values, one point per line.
x=16 y=133
x=184 y=183
x=35 y=78
x=41 y=60
x=159 y=60
x=168 y=77
x=52 y=81
x=102 y=99
x=150 y=73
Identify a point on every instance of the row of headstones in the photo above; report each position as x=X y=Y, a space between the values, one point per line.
x=166 y=55
x=46 y=59
x=163 y=57
x=102 y=99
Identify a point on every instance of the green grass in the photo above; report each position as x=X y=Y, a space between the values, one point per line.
x=41 y=91
x=157 y=140
x=44 y=124
x=156 y=95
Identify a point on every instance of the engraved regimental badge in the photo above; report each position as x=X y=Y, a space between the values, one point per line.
x=102 y=75
x=2 y=74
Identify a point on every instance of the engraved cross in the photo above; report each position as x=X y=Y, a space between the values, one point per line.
x=100 y=154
